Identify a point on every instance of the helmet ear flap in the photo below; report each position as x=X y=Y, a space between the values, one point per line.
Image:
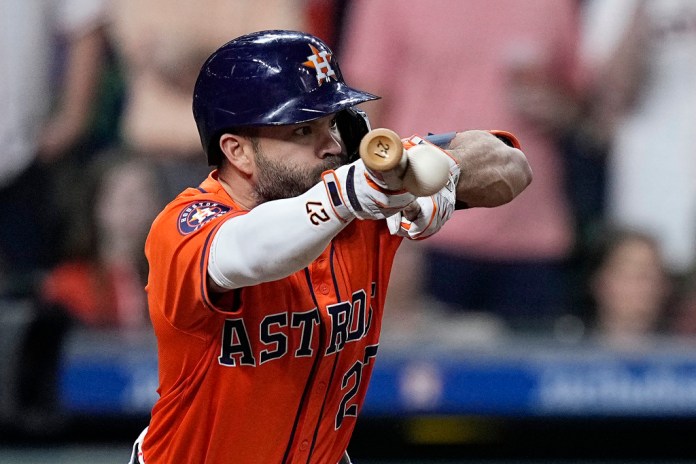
x=353 y=124
x=213 y=151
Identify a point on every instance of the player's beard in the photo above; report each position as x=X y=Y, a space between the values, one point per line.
x=281 y=178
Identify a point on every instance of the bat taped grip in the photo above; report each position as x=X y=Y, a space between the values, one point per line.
x=441 y=140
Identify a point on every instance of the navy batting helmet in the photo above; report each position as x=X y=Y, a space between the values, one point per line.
x=269 y=78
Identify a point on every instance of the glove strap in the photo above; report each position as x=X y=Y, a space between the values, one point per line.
x=333 y=190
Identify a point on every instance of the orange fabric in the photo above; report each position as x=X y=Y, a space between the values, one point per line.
x=106 y=295
x=507 y=137
x=321 y=20
x=77 y=287
x=276 y=372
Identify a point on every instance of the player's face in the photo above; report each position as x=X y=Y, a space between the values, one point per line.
x=290 y=159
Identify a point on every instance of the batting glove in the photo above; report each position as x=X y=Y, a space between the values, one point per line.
x=426 y=215
x=355 y=192
x=454 y=169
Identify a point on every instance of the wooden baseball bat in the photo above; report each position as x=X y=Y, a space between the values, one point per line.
x=382 y=152
x=381 y=149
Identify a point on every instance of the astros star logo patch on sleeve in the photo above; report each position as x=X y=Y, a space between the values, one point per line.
x=196 y=214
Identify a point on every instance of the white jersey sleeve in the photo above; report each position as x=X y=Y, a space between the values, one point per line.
x=273 y=240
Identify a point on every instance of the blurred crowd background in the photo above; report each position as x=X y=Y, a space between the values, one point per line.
x=97 y=134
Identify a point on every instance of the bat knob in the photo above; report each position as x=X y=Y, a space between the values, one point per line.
x=381 y=150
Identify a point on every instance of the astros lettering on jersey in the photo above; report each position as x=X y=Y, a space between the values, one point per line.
x=252 y=375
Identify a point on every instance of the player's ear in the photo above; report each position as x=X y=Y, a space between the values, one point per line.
x=239 y=151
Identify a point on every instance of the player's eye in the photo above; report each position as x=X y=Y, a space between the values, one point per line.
x=303 y=130
x=333 y=126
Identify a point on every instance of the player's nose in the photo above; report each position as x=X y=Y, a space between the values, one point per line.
x=330 y=144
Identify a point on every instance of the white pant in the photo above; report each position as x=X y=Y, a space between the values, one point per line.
x=137 y=453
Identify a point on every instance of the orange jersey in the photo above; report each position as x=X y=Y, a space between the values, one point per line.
x=271 y=373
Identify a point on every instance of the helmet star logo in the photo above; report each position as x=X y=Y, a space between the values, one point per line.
x=319 y=61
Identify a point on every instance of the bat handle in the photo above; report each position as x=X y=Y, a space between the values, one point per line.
x=443 y=140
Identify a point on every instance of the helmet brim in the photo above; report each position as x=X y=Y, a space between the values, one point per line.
x=324 y=101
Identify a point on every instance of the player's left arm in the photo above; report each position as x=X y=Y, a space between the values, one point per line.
x=487 y=169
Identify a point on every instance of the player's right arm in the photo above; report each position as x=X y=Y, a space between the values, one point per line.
x=280 y=237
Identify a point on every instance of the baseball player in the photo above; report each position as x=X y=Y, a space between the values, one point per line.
x=267 y=282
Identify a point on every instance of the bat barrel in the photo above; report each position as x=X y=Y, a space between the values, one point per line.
x=381 y=150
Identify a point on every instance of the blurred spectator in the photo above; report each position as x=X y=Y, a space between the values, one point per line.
x=101 y=285
x=628 y=287
x=406 y=322
x=162 y=45
x=477 y=64
x=643 y=59
x=51 y=61
x=682 y=322
x=325 y=20
x=101 y=282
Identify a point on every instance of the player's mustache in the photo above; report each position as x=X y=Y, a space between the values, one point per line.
x=329 y=163
x=333 y=162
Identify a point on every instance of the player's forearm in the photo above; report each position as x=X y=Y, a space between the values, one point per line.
x=273 y=240
x=492 y=173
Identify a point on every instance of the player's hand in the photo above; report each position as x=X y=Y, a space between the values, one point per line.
x=454 y=166
x=425 y=216
x=355 y=192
